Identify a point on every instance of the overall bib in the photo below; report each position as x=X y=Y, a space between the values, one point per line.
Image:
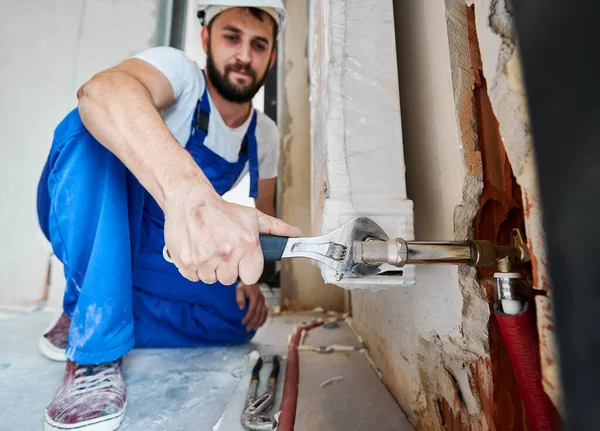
x=109 y=233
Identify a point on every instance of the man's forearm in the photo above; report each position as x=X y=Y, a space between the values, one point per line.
x=120 y=113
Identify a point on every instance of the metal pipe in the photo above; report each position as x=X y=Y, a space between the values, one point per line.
x=449 y=252
x=399 y=252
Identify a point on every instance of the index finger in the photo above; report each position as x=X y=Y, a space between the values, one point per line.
x=274 y=226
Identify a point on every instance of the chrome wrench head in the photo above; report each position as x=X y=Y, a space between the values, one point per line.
x=358 y=230
x=335 y=249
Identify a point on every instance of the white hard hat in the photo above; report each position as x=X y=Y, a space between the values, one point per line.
x=275 y=8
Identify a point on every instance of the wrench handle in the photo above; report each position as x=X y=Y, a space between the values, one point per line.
x=273 y=247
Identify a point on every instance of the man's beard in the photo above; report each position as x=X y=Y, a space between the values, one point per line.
x=229 y=90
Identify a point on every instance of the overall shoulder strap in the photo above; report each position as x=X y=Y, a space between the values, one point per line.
x=252 y=149
x=201 y=117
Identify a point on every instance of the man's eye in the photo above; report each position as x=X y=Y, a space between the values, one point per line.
x=231 y=38
x=259 y=46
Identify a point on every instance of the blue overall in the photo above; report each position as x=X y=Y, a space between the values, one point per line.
x=109 y=233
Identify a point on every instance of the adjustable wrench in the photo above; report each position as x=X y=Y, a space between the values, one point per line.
x=334 y=249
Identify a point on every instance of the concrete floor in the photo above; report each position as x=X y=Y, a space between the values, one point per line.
x=176 y=389
x=199 y=389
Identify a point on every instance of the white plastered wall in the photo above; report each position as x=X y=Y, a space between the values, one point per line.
x=357 y=152
x=47 y=51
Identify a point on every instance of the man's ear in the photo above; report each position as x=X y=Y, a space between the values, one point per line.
x=273 y=59
x=205 y=38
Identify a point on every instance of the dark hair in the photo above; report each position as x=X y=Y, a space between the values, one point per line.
x=257 y=13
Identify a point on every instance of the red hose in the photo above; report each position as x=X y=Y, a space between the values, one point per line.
x=519 y=336
x=289 y=399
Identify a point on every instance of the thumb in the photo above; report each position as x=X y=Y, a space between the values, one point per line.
x=274 y=226
x=240 y=296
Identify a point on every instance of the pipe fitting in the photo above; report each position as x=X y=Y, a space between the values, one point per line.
x=485 y=254
x=393 y=251
x=509 y=291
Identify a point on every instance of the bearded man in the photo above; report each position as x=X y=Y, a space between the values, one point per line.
x=140 y=166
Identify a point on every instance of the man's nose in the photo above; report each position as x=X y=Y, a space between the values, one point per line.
x=245 y=53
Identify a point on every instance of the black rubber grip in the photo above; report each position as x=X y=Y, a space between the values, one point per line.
x=256 y=369
x=275 y=370
x=273 y=247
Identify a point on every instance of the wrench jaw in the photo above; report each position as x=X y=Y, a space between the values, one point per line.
x=335 y=248
x=359 y=229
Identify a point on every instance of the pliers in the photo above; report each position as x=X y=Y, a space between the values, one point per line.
x=255 y=416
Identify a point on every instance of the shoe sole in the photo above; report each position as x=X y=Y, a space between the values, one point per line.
x=50 y=351
x=106 y=423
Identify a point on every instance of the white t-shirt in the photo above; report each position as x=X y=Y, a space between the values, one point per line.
x=188 y=84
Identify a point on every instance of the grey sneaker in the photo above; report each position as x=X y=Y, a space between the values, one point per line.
x=90 y=398
x=53 y=344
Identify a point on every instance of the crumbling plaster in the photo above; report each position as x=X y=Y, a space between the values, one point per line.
x=502 y=69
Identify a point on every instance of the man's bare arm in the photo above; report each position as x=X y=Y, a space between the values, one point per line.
x=120 y=107
x=208 y=238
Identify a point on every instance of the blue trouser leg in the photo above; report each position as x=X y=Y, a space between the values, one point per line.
x=90 y=208
x=215 y=320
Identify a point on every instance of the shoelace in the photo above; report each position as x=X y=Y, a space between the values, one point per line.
x=103 y=376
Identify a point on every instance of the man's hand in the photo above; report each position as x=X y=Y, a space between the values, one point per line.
x=257 y=309
x=212 y=240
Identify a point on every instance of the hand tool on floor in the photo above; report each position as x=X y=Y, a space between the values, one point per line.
x=255 y=416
